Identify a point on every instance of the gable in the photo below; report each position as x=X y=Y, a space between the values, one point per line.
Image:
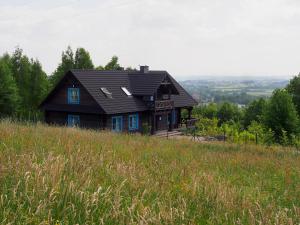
x=59 y=96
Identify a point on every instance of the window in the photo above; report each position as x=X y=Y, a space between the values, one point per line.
x=73 y=95
x=117 y=123
x=106 y=92
x=73 y=120
x=126 y=91
x=133 y=122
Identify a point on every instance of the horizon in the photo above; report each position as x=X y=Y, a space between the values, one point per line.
x=244 y=38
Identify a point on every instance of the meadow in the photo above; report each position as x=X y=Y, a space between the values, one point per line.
x=54 y=175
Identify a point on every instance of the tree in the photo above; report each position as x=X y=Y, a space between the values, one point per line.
x=67 y=63
x=228 y=112
x=8 y=91
x=38 y=86
x=294 y=89
x=83 y=59
x=207 y=111
x=280 y=115
x=254 y=111
x=113 y=64
x=21 y=69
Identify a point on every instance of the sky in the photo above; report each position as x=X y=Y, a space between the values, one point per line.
x=188 y=38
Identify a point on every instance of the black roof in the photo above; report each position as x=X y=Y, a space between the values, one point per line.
x=139 y=84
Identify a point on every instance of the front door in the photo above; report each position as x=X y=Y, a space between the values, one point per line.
x=161 y=122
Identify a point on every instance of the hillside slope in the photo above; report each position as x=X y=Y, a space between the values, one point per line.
x=61 y=175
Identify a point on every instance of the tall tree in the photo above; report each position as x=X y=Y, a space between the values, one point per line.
x=254 y=111
x=280 y=115
x=83 y=59
x=113 y=64
x=38 y=84
x=8 y=91
x=21 y=69
x=67 y=63
x=228 y=112
x=294 y=89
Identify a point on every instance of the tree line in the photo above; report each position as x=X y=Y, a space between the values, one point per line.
x=272 y=120
x=24 y=83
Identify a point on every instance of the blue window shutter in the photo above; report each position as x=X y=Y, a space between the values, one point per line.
x=137 y=121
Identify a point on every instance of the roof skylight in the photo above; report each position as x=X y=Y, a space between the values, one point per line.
x=126 y=91
x=106 y=92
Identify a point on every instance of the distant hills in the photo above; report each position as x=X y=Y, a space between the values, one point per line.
x=238 y=90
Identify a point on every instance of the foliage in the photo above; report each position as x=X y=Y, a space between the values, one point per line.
x=146 y=129
x=113 y=64
x=67 y=63
x=254 y=111
x=83 y=59
x=207 y=126
x=8 y=91
x=281 y=115
x=26 y=82
x=294 y=89
x=208 y=111
x=228 y=112
x=38 y=85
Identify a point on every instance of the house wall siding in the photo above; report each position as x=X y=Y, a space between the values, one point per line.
x=61 y=95
x=92 y=121
x=143 y=118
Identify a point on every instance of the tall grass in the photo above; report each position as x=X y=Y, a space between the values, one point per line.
x=52 y=175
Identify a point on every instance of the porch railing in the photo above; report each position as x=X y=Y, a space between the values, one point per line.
x=164 y=104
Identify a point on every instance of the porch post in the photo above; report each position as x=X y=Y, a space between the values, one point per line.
x=153 y=127
x=190 y=113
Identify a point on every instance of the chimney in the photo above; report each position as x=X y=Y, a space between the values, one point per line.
x=144 y=69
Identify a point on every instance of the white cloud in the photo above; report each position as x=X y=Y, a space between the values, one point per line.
x=192 y=37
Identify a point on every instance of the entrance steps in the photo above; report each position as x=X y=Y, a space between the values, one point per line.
x=166 y=134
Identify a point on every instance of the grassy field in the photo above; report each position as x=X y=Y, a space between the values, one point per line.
x=52 y=175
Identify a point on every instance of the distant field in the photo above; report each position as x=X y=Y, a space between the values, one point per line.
x=55 y=175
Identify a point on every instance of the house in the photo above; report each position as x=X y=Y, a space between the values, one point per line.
x=117 y=100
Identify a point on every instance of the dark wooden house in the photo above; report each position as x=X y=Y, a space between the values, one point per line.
x=117 y=100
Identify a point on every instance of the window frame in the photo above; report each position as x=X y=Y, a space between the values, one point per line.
x=126 y=91
x=136 y=125
x=112 y=123
x=70 y=118
x=70 y=101
x=106 y=92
